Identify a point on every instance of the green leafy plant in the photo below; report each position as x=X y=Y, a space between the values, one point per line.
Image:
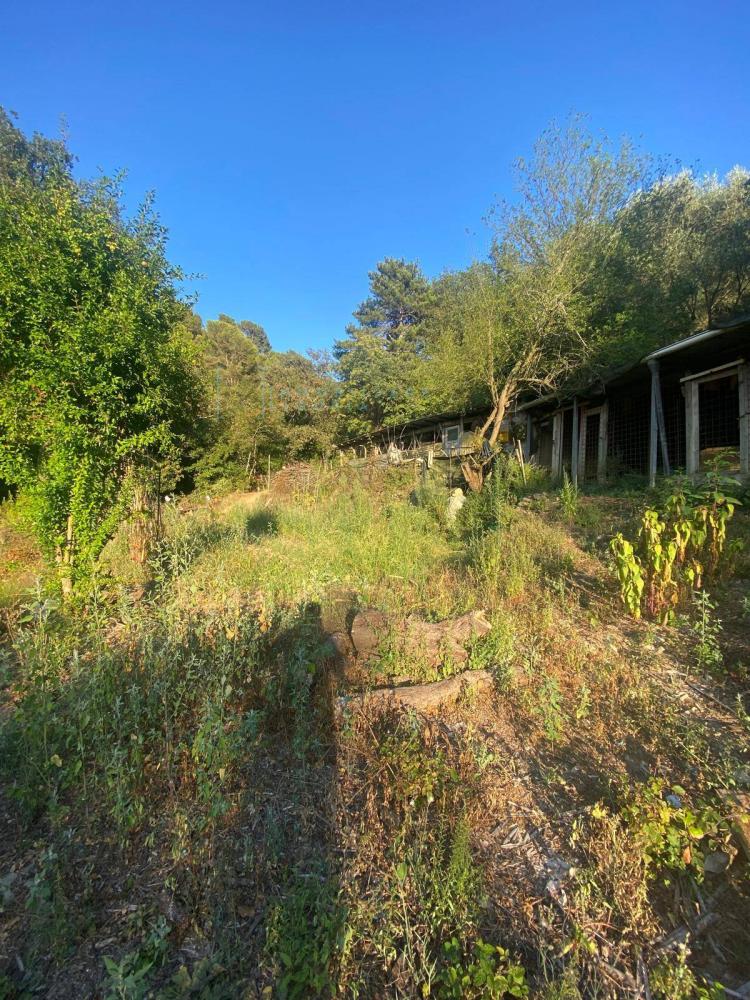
x=489 y=973
x=569 y=497
x=99 y=378
x=707 y=628
x=307 y=935
x=672 y=979
x=550 y=708
x=675 y=548
x=673 y=835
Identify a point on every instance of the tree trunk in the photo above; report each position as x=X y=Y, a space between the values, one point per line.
x=473 y=473
x=500 y=409
x=422 y=697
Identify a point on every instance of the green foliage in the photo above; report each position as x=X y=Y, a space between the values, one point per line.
x=266 y=407
x=97 y=378
x=569 y=497
x=128 y=978
x=603 y=257
x=707 y=628
x=550 y=708
x=672 y=979
x=675 y=549
x=88 y=719
x=671 y=835
x=378 y=361
x=489 y=973
x=489 y=508
x=307 y=936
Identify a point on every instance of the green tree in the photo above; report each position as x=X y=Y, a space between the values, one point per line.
x=265 y=405
x=379 y=359
x=525 y=322
x=97 y=378
x=256 y=333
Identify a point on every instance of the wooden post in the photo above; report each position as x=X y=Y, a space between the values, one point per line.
x=557 y=436
x=653 y=426
x=519 y=456
x=657 y=418
x=574 y=444
x=268 y=479
x=743 y=387
x=692 y=428
x=601 y=458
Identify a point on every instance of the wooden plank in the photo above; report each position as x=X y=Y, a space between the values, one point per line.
x=692 y=428
x=653 y=437
x=657 y=427
x=557 y=436
x=574 y=444
x=527 y=441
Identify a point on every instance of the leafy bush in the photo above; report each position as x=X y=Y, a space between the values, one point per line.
x=674 y=550
x=489 y=973
x=489 y=508
x=569 y=497
x=672 y=835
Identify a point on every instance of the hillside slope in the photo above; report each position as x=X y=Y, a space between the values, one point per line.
x=190 y=809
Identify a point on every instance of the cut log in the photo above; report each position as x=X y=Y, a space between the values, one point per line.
x=738 y=805
x=433 y=644
x=424 y=698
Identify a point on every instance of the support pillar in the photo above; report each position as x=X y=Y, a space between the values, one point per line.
x=658 y=426
x=692 y=428
x=557 y=441
x=527 y=444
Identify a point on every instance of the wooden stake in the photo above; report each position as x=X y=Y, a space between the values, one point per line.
x=519 y=453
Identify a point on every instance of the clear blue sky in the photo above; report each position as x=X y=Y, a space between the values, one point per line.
x=293 y=145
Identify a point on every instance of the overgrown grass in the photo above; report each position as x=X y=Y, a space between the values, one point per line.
x=192 y=813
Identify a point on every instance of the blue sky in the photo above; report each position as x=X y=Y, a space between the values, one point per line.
x=293 y=145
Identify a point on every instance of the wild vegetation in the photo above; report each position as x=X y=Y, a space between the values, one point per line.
x=199 y=795
x=190 y=810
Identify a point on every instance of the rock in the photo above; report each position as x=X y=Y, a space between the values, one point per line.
x=716 y=862
x=558 y=868
x=456 y=500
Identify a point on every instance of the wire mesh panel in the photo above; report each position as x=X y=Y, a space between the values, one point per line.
x=628 y=431
x=719 y=410
x=592 y=423
x=542 y=443
x=719 y=420
x=567 y=441
x=673 y=404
